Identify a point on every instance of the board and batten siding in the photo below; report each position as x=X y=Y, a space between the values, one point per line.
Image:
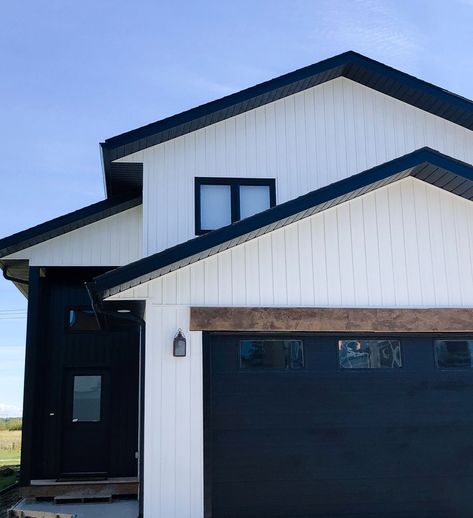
x=304 y=141
x=113 y=241
x=173 y=450
x=408 y=244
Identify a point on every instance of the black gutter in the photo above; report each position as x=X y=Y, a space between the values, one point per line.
x=182 y=254
x=13 y=279
x=97 y=306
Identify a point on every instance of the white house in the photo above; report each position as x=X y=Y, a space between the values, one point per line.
x=273 y=307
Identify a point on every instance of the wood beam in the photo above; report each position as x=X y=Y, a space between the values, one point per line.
x=368 y=320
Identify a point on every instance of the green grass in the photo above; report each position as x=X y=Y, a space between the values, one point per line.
x=10 y=447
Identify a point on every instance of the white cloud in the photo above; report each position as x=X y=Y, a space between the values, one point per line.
x=9 y=410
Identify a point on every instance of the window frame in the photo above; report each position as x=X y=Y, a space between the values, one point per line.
x=235 y=184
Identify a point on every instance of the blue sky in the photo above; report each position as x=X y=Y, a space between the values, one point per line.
x=75 y=73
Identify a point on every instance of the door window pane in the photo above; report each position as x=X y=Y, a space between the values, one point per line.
x=369 y=354
x=87 y=397
x=253 y=199
x=454 y=354
x=271 y=354
x=215 y=206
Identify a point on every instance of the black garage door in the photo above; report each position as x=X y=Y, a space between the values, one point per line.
x=310 y=426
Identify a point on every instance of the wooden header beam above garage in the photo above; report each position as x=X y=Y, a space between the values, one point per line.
x=365 y=320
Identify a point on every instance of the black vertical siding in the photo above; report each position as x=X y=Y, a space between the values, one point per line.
x=116 y=351
x=32 y=385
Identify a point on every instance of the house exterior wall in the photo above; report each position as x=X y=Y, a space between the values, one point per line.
x=112 y=241
x=304 y=141
x=405 y=245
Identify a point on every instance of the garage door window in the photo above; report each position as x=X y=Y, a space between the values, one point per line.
x=454 y=354
x=271 y=354
x=369 y=354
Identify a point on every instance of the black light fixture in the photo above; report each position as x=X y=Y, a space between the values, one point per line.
x=179 y=345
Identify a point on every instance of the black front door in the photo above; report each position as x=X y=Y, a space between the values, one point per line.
x=85 y=445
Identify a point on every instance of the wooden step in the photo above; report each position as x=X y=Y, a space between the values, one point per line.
x=92 y=490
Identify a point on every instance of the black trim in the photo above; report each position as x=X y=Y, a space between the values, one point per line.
x=207 y=418
x=351 y=65
x=235 y=184
x=67 y=223
x=31 y=384
x=425 y=164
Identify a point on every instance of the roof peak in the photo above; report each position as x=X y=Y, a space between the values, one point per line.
x=350 y=64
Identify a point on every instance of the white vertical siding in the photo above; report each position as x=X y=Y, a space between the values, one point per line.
x=405 y=245
x=173 y=449
x=113 y=241
x=305 y=141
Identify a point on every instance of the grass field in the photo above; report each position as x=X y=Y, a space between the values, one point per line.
x=10 y=447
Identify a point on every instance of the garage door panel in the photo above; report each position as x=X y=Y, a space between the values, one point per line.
x=377 y=451
x=325 y=441
x=404 y=398
x=353 y=497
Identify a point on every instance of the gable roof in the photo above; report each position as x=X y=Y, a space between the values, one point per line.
x=424 y=164
x=368 y=72
x=67 y=223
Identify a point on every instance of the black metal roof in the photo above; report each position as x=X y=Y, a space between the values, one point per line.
x=425 y=164
x=67 y=223
x=350 y=64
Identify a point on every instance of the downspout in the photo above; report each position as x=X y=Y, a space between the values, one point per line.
x=98 y=309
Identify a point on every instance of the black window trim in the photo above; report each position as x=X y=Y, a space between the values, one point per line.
x=235 y=184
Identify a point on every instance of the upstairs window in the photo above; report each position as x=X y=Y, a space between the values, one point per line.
x=222 y=201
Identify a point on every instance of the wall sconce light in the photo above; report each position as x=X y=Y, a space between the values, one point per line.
x=179 y=345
